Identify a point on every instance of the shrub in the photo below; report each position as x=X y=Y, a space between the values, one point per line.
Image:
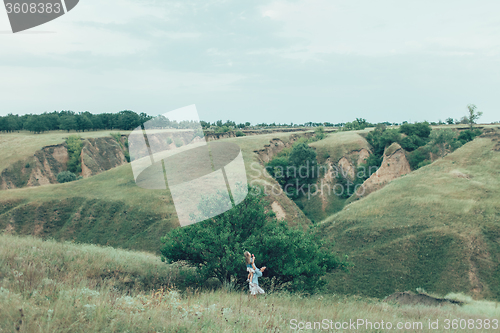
x=178 y=142
x=416 y=157
x=319 y=133
x=423 y=163
x=66 y=176
x=75 y=145
x=296 y=170
x=468 y=135
x=240 y=133
x=422 y=130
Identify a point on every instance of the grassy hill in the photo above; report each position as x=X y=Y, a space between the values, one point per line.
x=108 y=208
x=437 y=228
x=49 y=286
x=339 y=144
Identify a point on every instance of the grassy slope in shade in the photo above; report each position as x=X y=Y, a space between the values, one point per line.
x=47 y=286
x=107 y=209
x=432 y=229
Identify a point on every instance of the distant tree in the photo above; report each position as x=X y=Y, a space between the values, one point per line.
x=473 y=115
x=97 y=123
x=51 y=120
x=84 y=123
x=422 y=130
x=36 y=124
x=144 y=117
x=450 y=121
x=10 y=123
x=68 y=123
x=128 y=120
x=464 y=120
x=358 y=124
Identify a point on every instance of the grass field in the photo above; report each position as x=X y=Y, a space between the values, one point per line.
x=47 y=286
x=437 y=228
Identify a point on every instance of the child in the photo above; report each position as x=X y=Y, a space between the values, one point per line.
x=250 y=260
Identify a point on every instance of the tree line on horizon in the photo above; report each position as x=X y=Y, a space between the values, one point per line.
x=72 y=121
x=128 y=120
x=123 y=120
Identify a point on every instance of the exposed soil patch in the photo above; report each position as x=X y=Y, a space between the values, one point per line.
x=409 y=298
x=278 y=210
x=101 y=154
x=458 y=174
x=393 y=166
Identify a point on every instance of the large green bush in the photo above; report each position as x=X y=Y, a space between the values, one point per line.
x=294 y=257
x=468 y=135
x=66 y=176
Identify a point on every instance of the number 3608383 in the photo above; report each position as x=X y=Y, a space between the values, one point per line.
x=32 y=7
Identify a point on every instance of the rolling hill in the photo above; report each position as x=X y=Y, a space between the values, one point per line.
x=437 y=228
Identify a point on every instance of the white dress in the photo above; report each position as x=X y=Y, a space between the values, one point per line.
x=254 y=287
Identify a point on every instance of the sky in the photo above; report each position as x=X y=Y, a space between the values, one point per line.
x=259 y=61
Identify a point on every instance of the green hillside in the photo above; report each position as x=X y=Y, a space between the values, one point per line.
x=108 y=208
x=437 y=228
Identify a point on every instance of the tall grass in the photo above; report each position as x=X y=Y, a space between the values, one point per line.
x=62 y=287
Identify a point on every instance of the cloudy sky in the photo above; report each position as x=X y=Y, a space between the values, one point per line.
x=259 y=61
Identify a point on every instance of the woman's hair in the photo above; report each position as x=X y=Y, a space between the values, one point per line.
x=248 y=257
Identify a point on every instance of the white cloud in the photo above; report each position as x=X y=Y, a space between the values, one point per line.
x=99 y=28
x=379 y=28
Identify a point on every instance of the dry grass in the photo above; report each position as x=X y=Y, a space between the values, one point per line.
x=54 y=287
